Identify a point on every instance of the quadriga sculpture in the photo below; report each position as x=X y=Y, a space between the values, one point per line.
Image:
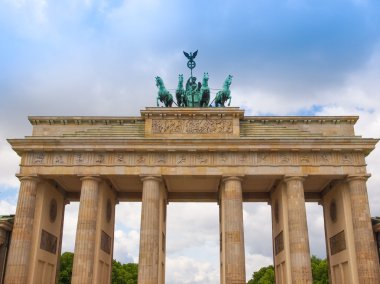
x=180 y=93
x=225 y=94
x=205 y=91
x=163 y=94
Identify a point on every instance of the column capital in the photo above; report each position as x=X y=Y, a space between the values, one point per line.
x=91 y=177
x=363 y=177
x=34 y=178
x=235 y=177
x=151 y=177
x=295 y=177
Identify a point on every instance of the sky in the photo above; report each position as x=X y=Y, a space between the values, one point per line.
x=88 y=57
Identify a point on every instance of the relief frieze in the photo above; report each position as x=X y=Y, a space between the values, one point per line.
x=184 y=159
x=337 y=243
x=48 y=242
x=192 y=126
x=279 y=243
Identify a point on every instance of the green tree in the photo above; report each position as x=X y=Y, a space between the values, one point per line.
x=124 y=273
x=121 y=273
x=264 y=276
x=66 y=268
x=319 y=269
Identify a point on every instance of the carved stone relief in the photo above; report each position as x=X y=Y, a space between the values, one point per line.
x=279 y=243
x=337 y=243
x=105 y=242
x=191 y=126
x=48 y=242
x=195 y=159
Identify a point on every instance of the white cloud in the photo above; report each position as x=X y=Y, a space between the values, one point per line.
x=128 y=214
x=253 y=263
x=70 y=226
x=187 y=270
x=7 y=208
x=9 y=166
x=126 y=247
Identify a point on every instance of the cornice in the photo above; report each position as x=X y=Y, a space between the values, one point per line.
x=302 y=119
x=152 y=112
x=365 y=145
x=177 y=112
x=83 y=120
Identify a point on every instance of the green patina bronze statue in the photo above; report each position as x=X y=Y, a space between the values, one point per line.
x=205 y=91
x=225 y=94
x=196 y=94
x=163 y=94
x=180 y=94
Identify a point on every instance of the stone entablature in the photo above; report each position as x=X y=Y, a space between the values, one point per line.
x=189 y=159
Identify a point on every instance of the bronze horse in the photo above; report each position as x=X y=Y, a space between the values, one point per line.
x=225 y=94
x=163 y=94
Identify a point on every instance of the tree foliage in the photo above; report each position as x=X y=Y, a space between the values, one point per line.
x=66 y=268
x=264 y=276
x=124 y=273
x=319 y=269
x=121 y=273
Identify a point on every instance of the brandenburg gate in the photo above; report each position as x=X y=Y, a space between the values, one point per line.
x=192 y=154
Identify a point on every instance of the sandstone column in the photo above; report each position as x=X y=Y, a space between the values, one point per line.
x=232 y=231
x=366 y=253
x=86 y=231
x=20 y=247
x=150 y=231
x=298 y=234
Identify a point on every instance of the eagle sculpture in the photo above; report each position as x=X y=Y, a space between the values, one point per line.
x=191 y=56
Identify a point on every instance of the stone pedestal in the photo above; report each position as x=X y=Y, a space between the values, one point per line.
x=83 y=267
x=150 y=233
x=298 y=233
x=366 y=256
x=20 y=248
x=232 y=231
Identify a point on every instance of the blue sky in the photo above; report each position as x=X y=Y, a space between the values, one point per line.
x=86 y=57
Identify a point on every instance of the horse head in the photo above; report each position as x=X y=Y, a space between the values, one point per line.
x=205 y=76
x=159 y=81
x=180 y=80
x=227 y=82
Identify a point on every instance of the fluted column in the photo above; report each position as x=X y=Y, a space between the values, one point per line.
x=83 y=268
x=298 y=234
x=232 y=231
x=20 y=247
x=149 y=232
x=365 y=247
